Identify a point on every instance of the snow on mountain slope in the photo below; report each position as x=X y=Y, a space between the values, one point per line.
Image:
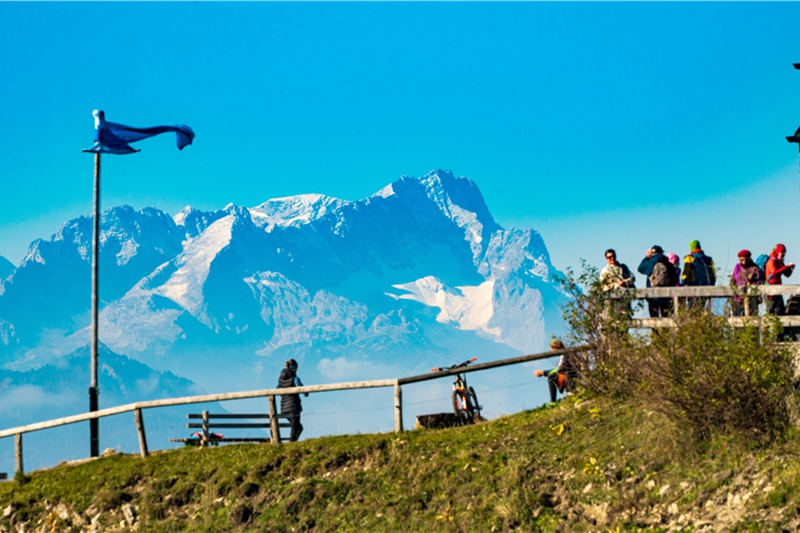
x=418 y=268
x=294 y=210
x=192 y=266
x=51 y=288
x=469 y=307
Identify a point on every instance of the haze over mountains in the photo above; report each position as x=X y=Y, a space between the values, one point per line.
x=418 y=274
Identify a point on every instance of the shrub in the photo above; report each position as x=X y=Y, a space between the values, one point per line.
x=594 y=321
x=709 y=377
x=704 y=375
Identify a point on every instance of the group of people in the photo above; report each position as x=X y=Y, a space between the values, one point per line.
x=664 y=270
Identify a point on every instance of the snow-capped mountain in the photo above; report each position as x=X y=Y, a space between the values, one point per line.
x=418 y=269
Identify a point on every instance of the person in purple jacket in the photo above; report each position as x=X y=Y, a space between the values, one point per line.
x=746 y=274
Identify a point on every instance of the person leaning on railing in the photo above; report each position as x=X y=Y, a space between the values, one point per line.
x=698 y=271
x=616 y=275
x=775 y=268
x=745 y=274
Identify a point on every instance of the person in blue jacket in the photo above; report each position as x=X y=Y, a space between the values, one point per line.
x=659 y=307
x=290 y=403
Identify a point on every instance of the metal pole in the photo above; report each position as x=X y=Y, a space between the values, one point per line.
x=94 y=391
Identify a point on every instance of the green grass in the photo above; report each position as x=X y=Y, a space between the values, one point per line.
x=591 y=466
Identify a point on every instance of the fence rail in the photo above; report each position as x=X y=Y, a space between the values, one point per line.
x=709 y=292
x=138 y=407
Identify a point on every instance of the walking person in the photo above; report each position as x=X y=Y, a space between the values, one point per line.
x=774 y=270
x=290 y=403
x=745 y=274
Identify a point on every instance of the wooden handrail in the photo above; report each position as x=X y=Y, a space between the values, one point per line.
x=137 y=407
x=713 y=291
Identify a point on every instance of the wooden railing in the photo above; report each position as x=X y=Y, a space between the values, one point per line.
x=270 y=394
x=680 y=294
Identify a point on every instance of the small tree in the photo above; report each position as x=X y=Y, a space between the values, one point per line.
x=594 y=319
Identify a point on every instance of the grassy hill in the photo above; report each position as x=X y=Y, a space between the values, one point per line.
x=577 y=465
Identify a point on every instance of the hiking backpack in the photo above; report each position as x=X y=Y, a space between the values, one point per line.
x=761 y=261
x=660 y=276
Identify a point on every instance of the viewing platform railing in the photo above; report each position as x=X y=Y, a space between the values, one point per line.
x=683 y=294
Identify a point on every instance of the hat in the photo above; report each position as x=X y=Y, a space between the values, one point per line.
x=779 y=248
x=673 y=258
x=556 y=344
x=657 y=249
x=694 y=245
x=744 y=253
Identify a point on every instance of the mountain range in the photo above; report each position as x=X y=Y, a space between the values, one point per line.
x=418 y=274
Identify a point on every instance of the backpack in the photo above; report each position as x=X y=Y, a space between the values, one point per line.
x=761 y=261
x=660 y=276
x=700 y=270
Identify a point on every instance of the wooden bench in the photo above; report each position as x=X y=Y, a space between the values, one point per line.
x=206 y=437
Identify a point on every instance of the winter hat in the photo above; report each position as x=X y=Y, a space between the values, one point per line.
x=744 y=253
x=779 y=248
x=694 y=245
x=556 y=344
x=657 y=249
x=673 y=258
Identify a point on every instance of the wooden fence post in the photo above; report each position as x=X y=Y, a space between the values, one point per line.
x=137 y=417
x=20 y=470
x=275 y=434
x=398 y=408
x=205 y=428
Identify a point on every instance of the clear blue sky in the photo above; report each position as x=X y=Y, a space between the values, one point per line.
x=598 y=124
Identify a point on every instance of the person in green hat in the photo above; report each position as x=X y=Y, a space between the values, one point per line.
x=698 y=270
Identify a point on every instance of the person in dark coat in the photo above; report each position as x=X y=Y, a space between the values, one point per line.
x=659 y=307
x=698 y=270
x=290 y=403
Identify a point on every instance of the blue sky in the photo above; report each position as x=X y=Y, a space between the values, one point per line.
x=598 y=124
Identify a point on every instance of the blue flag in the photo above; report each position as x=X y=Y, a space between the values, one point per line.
x=113 y=138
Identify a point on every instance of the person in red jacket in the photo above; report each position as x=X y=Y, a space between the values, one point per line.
x=775 y=268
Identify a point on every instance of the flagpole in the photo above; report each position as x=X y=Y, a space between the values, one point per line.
x=94 y=391
x=112 y=138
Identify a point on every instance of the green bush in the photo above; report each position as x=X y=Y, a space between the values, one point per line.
x=704 y=375
x=709 y=377
x=594 y=320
